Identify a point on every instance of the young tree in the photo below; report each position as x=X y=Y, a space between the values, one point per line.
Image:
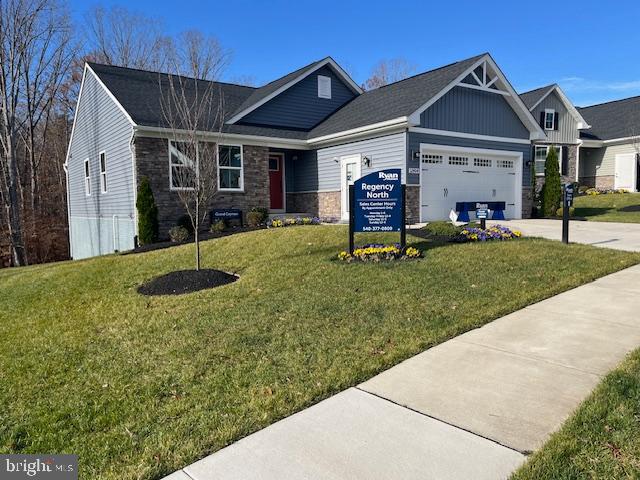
x=388 y=71
x=147 y=213
x=193 y=110
x=552 y=189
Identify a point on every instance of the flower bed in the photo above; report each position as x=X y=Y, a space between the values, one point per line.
x=377 y=252
x=496 y=232
x=600 y=191
x=288 y=222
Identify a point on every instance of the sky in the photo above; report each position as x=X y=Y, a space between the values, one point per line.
x=590 y=48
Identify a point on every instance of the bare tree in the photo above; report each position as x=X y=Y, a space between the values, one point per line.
x=30 y=67
x=193 y=110
x=388 y=71
x=120 y=37
x=199 y=56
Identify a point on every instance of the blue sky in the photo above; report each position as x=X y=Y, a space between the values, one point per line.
x=591 y=48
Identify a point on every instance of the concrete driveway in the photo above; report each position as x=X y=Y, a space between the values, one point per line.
x=620 y=236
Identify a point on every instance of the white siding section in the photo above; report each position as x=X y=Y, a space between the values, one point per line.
x=385 y=152
x=100 y=125
x=600 y=162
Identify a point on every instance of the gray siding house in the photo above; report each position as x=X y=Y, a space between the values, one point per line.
x=562 y=124
x=459 y=133
x=610 y=153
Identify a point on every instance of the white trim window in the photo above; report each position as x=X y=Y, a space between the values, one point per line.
x=324 y=87
x=180 y=167
x=103 y=171
x=549 y=119
x=230 y=168
x=540 y=158
x=87 y=177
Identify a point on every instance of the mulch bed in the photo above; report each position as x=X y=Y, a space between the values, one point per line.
x=203 y=236
x=186 y=281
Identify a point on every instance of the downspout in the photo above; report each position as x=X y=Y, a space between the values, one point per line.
x=134 y=186
x=65 y=167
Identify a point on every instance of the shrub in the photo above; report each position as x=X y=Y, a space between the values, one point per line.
x=552 y=190
x=288 y=222
x=184 y=221
x=376 y=252
x=442 y=228
x=264 y=214
x=178 y=234
x=255 y=218
x=147 y=213
x=496 y=232
x=219 y=226
x=560 y=211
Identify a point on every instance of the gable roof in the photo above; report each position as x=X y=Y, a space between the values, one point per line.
x=272 y=89
x=139 y=93
x=612 y=120
x=533 y=98
x=399 y=99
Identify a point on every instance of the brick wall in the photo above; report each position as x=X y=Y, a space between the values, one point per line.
x=605 y=182
x=152 y=161
x=326 y=205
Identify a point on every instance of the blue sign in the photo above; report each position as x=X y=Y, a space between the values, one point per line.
x=568 y=194
x=378 y=202
x=482 y=213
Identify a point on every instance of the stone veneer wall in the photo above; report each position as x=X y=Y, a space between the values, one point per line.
x=527 y=201
x=325 y=205
x=605 y=182
x=152 y=161
x=413 y=204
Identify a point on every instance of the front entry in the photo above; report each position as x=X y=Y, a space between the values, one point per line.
x=349 y=173
x=276 y=181
x=625 y=171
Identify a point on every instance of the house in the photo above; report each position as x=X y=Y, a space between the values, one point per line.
x=610 y=152
x=562 y=123
x=459 y=133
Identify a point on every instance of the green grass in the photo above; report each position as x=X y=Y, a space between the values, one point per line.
x=612 y=207
x=602 y=439
x=140 y=387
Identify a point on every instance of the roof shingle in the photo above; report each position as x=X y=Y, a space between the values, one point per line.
x=616 y=119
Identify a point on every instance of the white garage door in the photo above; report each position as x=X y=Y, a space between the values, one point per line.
x=450 y=176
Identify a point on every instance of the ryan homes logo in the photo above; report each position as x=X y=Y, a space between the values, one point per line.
x=45 y=467
x=389 y=177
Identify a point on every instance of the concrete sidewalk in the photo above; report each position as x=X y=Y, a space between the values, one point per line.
x=472 y=407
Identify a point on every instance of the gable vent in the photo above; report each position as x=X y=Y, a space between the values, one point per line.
x=324 y=86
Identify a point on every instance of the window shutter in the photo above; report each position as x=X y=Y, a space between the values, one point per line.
x=542 y=118
x=555 y=121
x=565 y=160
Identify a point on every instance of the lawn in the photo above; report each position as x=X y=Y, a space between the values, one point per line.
x=141 y=386
x=602 y=439
x=612 y=207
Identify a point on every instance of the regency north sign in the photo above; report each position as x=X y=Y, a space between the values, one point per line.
x=377 y=204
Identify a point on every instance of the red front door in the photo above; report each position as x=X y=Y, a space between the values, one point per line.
x=276 y=181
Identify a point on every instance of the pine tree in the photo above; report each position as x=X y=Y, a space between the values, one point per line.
x=147 y=213
x=552 y=190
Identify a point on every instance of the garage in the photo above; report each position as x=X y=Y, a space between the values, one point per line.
x=451 y=174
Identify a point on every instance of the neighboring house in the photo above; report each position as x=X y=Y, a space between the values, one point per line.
x=458 y=133
x=562 y=124
x=610 y=153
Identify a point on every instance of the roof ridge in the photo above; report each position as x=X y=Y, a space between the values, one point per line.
x=551 y=85
x=428 y=71
x=294 y=71
x=169 y=74
x=610 y=101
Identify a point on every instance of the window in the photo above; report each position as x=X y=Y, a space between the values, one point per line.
x=431 y=158
x=181 y=167
x=103 y=172
x=87 y=178
x=549 y=119
x=230 y=165
x=482 y=162
x=504 y=163
x=324 y=87
x=540 y=157
x=458 y=160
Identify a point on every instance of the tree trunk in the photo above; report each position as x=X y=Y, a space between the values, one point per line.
x=13 y=210
x=196 y=225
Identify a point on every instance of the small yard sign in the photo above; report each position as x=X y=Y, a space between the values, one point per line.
x=566 y=205
x=377 y=204
x=218 y=214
